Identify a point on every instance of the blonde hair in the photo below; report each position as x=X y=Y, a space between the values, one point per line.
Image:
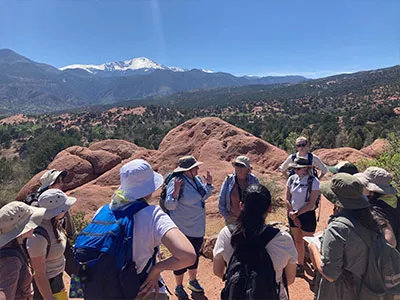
x=301 y=139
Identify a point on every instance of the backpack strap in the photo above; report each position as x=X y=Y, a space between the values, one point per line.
x=360 y=230
x=294 y=156
x=8 y=252
x=310 y=181
x=310 y=158
x=43 y=232
x=267 y=235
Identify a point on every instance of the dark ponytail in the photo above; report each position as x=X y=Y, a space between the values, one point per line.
x=256 y=201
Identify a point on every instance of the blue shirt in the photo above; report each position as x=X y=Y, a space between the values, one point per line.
x=188 y=210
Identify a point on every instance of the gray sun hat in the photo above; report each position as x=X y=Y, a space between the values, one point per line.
x=56 y=202
x=243 y=160
x=299 y=163
x=346 y=191
x=138 y=179
x=187 y=163
x=17 y=218
x=343 y=167
x=377 y=180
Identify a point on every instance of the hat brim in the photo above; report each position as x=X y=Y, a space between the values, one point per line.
x=347 y=203
x=296 y=166
x=145 y=189
x=63 y=173
x=372 y=187
x=51 y=213
x=333 y=169
x=34 y=221
x=241 y=163
x=179 y=169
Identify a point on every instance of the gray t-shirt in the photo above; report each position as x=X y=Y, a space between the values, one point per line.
x=342 y=249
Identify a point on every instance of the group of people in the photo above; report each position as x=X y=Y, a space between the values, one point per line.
x=35 y=239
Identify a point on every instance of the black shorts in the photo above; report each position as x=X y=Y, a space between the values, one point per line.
x=196 y=243
x=308 y=221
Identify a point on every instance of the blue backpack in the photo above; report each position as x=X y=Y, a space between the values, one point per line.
x=104 y=253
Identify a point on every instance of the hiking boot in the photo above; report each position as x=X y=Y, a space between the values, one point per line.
x=195 y=286
x=180 y=293
x=299 y=270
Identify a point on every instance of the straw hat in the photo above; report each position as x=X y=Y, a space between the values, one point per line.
x=17 y=218
x=187 y=163
x=138 y=179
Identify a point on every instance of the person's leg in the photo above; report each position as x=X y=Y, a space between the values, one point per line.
x=193 y=284
x=192 y=274
x=179 y=290
x=299 y=243
x=179 y=279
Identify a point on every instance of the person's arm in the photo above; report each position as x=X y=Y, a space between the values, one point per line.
x=285 y=165
x=43 y=284
x=173 y=188
x=310 y=204
x=182 y=255
x=317 y=162
x=317 y=261
x=290 y=271
x=389 y=235
x=219 y=265
x=222 y=199
x=208 y=184
x=9 y=275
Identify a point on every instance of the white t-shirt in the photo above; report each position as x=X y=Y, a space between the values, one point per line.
x=298 y=189
x=151 y=224
x=281 y=249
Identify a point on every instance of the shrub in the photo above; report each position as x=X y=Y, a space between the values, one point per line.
x=79 y=221
x=276 y=190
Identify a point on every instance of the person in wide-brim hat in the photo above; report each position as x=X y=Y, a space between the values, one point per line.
x=345 y=191
x=56 y=202
x=377 y=180
x=299 y=163
x=187 y=163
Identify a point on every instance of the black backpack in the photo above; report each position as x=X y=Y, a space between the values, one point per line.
x=310 y=158
x=163 y=193
x=250 y=273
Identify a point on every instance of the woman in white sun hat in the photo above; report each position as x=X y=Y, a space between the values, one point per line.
x=384 y=200
x=46 y=249
x=17 y=222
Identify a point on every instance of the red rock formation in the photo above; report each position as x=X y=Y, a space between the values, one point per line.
x=376 y=148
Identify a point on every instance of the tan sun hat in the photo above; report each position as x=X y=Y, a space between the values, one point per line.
x=17 y=218
x=299 y=163
x=377 y=180
x=56 y=202
x=187 y=163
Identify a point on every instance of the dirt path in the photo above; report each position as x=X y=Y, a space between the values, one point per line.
x=298 y=291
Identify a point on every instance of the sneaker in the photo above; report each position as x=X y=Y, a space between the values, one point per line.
x=180 y=293
x=299 y=270
x=195 y=286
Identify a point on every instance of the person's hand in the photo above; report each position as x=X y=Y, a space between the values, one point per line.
x=177 y=185
x=297 y=222
x=208 y=179
x=151 y=283
x=312 y=247
x=292 y=215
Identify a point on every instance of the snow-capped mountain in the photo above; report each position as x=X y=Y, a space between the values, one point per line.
x=139 y=65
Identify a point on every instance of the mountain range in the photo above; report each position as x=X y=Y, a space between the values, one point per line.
x=30 y=87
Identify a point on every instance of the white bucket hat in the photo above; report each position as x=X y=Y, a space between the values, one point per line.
x=56 y=202
x=377 y=180
x=138 y=179
x=49 y=177
x=17 y=218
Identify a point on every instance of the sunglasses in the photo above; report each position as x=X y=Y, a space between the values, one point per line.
x=301 y=145
x=239 y=165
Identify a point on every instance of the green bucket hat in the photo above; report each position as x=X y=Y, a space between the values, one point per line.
x=346 y=191
x=344 y=167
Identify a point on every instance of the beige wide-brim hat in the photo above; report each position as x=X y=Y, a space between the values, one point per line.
x=377 y=180
x=345 y=190
x=187 y=163
x=299 y=163
x=50 y=177
x=17 y=218
x=56 y=202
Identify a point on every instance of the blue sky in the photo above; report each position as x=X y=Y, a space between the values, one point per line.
x=306 y=37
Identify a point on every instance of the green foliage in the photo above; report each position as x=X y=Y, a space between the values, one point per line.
x=389 y=160
x=79 y=221
x=272 y=184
